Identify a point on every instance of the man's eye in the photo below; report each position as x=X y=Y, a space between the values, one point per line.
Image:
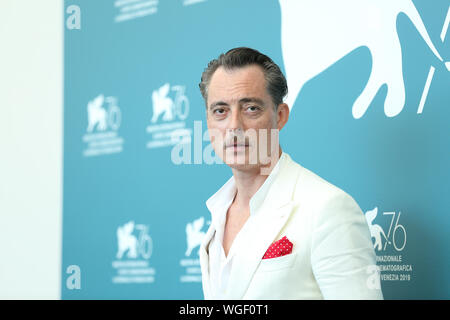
x=253 y=108
x=219 y=111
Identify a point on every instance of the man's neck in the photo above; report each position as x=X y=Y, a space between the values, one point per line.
x=248 y=182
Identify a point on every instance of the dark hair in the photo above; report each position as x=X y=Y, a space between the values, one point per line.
x=276 y=84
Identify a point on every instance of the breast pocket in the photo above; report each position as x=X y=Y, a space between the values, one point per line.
x=275 y=264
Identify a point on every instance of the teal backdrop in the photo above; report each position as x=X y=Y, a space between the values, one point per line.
x=133 y=217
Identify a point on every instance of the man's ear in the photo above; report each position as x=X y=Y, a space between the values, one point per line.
x=282 y=115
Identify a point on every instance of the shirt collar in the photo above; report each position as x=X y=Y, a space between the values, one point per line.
x=220 y=201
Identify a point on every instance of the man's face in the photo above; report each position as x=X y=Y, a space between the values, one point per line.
x=240 y=116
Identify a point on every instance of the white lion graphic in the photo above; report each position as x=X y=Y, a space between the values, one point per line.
x=194 y=235
x=317 y=33
x=97 y=114
x=162 y=103
x=375 y=230
x=126 y=241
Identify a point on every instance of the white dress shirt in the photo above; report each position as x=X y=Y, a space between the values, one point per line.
x=218 y=204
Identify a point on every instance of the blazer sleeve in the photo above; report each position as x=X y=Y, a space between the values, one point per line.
x=342 y=255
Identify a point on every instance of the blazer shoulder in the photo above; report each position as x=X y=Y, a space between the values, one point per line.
x=313 y=189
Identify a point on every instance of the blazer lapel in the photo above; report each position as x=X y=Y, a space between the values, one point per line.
x=204 y=261
x=264 y=231
x=265 y=227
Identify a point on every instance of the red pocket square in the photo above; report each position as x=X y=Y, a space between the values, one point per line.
x=279 y=248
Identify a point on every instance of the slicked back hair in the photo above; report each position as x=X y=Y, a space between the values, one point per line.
x=276 y=84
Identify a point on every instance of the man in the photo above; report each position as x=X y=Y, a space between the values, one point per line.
x=278 y=230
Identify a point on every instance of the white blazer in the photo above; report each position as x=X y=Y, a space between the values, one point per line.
x=332 y=256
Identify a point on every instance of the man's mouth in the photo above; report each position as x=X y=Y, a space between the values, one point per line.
x=237 y=145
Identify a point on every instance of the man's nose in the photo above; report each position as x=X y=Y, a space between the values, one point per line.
x=235 y=121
